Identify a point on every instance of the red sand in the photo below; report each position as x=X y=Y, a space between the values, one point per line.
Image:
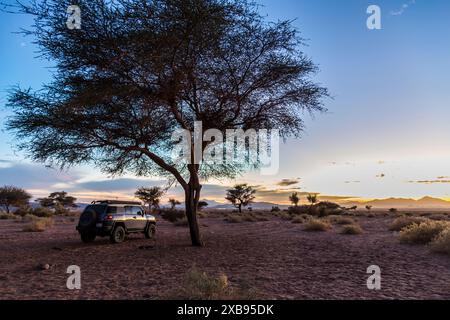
x=278 y=258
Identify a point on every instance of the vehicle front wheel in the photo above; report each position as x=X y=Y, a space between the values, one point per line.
x=150 y=231
x=118 y=235
x=87 y=237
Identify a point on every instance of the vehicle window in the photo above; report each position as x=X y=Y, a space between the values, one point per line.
x=128 y=210
x=136 y=210
x=115 y=210
x=98 y=208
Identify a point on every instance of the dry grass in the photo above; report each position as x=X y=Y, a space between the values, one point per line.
x=317 y=225
x=423 y=233
x=198 y=285
x=441 y=244
x=351 y=229
x=246 y=217
x=38 y=225
x=342 y=220
x=303 y=218
x=183 y=222
x=8 y=216
x=403 y=222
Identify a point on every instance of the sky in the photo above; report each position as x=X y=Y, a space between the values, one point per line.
x=385 y=133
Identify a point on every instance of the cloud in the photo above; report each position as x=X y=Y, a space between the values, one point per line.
x=429 y=181
x=288 y=182
x=33 y=176
x=403 y=8
x=121 y=184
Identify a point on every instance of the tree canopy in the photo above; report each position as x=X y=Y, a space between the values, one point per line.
x=13 y=197
x=137 y=71
x=241 y=195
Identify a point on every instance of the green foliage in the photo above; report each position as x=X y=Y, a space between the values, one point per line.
x=13 y=197
x=241 y=195
x=150 y=196
x=294 y=198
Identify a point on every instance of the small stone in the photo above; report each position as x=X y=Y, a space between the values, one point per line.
x=44 y=266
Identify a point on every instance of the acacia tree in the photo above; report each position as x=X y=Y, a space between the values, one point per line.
x=312 y=199
x=150 y=196
x=173 y=203
x=13 y=196
x=137 y=71
x=241 y=195
x=57 y=199
x=294 y=198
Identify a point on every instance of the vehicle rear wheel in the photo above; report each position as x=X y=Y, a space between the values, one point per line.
x=118 y=235
x=87 y=237
x=150 y=231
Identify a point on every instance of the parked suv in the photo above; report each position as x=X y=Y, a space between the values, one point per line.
x=115 y=219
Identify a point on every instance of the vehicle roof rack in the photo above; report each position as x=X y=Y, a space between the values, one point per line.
x=116 y=202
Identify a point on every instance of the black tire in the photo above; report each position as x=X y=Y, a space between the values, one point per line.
x=88 y=219
x=118 y=235
x=87 y=237
x=150 y=231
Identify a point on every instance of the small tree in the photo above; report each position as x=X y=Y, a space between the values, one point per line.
x=369 y=207
x=312 y=198
x=13 y=196
x=174 y=203
x=150 y=196
x=57 y=199
x=241 y=195
x=294 y=198
x=201 y=205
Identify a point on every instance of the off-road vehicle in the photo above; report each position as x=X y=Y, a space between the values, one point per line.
x=115 y=219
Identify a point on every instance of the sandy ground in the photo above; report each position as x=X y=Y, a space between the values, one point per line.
x=277 y=258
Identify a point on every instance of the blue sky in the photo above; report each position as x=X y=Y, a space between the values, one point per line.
x=386 y=133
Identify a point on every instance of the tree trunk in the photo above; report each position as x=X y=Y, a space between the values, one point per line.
x=240 y=208
x=192 y=195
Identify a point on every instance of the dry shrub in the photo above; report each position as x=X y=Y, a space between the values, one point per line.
x=23 y=211
x=285 y=216
x=198 y=285
x=234 y=219
x=342 y=220
x=438 y=217
x=183 y=222
x=202 y=215
x=42 y=212
x=317 y=225
x=441 y=244
x=403 y=222
x=38 y=225
x=8 y=216
x=172 y=215
x=246 y=217
x=423 y=233
x=301 y=218
x=351 y=229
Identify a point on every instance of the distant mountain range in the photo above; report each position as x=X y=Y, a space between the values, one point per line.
x=423 y=203
x=398 y=203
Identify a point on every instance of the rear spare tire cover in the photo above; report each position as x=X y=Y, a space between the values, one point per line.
x=88 y=218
